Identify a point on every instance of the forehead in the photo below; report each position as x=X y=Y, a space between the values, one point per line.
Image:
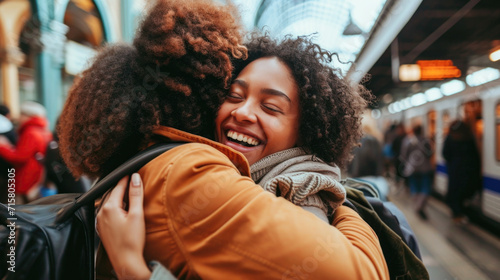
x=269 y=72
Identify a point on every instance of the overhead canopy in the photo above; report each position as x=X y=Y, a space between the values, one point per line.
x=340 y=26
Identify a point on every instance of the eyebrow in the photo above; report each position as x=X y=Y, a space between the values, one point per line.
x=269 y=91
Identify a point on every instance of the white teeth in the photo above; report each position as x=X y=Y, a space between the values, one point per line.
x=241 y=137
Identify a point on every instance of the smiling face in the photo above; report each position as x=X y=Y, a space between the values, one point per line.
x=261 y=113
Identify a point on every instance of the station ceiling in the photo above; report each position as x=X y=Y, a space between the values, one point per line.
x=464 y=31
x=340 y=26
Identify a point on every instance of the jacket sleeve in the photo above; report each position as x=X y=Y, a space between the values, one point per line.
x=23 y=151
x=228 y=226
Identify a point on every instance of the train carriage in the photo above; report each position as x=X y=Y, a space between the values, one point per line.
x=480 y=107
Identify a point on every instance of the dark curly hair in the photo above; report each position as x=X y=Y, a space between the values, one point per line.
x=331 y=109
x=175 y=75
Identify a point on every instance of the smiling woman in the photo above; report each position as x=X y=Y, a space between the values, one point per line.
x=288 y=112
x=286 y=94
x=269 y=113
x=203 y=216
x=261 y=114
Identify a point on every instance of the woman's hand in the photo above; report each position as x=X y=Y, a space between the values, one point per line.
x=122 y=232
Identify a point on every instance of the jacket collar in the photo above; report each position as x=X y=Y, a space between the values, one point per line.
x=176 y=135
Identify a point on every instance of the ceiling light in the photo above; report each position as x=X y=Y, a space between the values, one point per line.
x=409 y=72
x=495 y=56
x=387 y=98
x=407 y=102
x=351 y=28
x=418 y=99
x=433 y=94
x=397 y=107
x=452 y=87
x=482 y=76
x=391 y=108
x=376 y=114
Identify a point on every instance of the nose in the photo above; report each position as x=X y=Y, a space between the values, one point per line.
x=245 y=113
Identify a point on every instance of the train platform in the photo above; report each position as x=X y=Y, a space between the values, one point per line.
x=449 y=251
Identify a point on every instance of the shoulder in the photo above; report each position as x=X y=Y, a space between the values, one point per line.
x=190 y=163
x=196 y=154
x=189 y=156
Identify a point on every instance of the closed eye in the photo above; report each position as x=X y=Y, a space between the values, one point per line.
x=234 y=97
x=272 y=108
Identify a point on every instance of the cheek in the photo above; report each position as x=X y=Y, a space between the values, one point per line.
x=285 y=134
x=223 y=113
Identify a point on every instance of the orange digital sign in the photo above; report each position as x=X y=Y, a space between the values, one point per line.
x=438 y=69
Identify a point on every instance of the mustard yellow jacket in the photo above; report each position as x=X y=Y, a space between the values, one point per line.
x=204 y=220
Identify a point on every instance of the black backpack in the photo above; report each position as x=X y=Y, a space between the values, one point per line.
x=53 y=238
x=397 y=240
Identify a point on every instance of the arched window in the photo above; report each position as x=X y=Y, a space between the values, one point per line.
x=85 y=35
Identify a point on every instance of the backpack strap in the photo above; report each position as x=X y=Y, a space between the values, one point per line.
x=110 y=180
x=365 y=187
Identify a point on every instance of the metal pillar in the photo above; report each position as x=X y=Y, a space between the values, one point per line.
x=128 y=25
x=50 y=59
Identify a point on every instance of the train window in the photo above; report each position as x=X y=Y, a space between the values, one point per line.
x=431 y=124
x=497 y=125
x=446 y=123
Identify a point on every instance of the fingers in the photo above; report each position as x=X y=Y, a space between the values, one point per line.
x=136 y=194
x=112 y=202
x=116 y=195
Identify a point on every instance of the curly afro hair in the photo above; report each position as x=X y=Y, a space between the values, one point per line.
x=331 y=109
x=175 y=75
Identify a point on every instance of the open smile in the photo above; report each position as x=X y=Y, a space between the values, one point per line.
x=242 y=139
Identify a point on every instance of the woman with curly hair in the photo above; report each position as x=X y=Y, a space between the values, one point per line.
x=273 y=116
x=288 y=113
x=204 y=217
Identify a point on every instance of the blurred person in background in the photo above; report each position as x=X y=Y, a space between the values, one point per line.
x=368 y=161
x=58 y=176
x=389 y=136
x=5 y=111
x=28 y=152
x=6 y=126
x=416 y=152
x=464 y=168
x=399 y=176
x=8 y=135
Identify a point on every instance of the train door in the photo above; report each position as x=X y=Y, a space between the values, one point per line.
x=473 y=115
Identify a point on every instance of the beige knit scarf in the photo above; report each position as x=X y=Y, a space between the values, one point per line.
x=304 y=180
